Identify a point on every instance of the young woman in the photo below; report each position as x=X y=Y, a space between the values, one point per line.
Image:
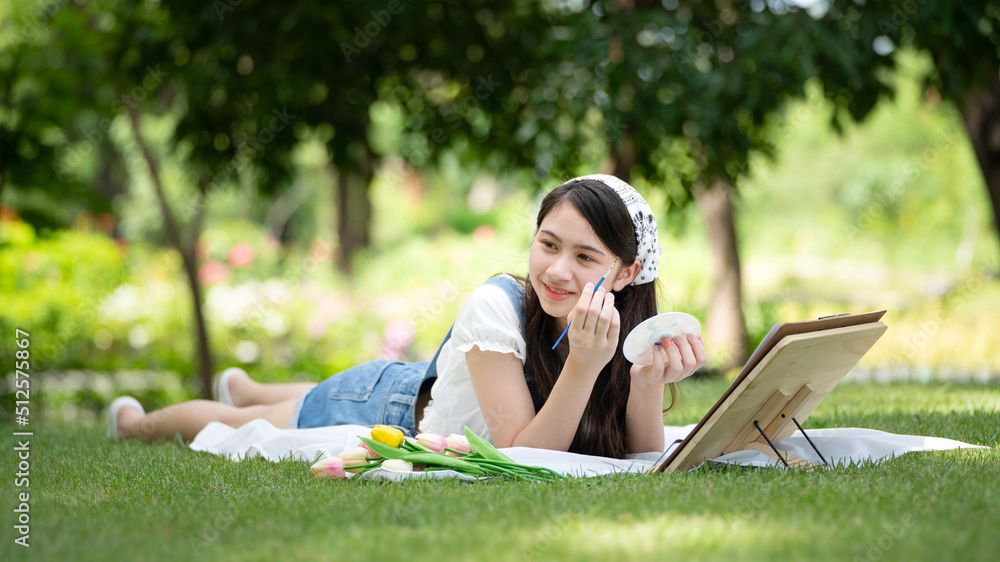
x=498 y=371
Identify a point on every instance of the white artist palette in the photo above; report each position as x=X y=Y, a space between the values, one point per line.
x=638 y=346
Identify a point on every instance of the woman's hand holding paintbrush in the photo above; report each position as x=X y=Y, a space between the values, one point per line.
x=597 y=313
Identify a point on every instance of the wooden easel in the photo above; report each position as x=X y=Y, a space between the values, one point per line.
x=792 y=371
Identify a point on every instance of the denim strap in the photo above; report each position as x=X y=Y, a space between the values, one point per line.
x=515 y=293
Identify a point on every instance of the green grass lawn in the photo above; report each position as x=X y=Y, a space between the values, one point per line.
x=95 y=500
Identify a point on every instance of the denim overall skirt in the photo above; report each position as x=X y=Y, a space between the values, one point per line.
x=381 y=392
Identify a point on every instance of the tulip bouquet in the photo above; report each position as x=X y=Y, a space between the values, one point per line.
x=389 y=449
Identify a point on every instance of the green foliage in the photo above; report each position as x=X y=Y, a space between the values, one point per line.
x=51 y=150
x=678 y=94
x=920 y=201
x=962 y=38
x=53 y=288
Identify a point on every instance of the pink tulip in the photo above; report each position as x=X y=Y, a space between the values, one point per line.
x=354 y=456
x=330 y=467
x=458 y=443
x=432 y=441
x=371 y=453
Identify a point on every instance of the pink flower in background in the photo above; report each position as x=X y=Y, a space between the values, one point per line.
x=330 y=307
x=241 y=254
x=389 y=306
x=317 y=328
x=271 y=245
x=399 y=334
x=333 y=305
x=322 y=251
x=484 y=235
x=212 y=272
x=201 y=248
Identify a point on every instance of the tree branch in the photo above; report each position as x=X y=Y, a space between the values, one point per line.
x=186 y=251
x=173 y=233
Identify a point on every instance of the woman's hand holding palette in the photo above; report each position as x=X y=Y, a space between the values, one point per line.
x=638 y=346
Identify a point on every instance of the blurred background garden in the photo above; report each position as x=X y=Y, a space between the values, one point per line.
x=298 y=187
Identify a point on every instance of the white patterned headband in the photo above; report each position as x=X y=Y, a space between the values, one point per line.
x=647 y=242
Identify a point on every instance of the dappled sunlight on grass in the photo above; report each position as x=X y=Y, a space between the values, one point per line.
x=669 y=534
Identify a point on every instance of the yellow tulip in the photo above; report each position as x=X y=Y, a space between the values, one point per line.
x=387 y=435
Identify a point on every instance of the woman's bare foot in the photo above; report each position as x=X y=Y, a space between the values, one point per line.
x=123 y=413
x=231 y=387
x=129 y=419
x=239 y=383
x=234 y=387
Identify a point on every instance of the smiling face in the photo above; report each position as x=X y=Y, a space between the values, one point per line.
x=565 y=255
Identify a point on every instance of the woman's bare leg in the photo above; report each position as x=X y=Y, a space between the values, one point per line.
x=248 y=392
x=188 y=418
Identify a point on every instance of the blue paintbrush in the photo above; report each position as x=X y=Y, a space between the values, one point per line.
x=598 y=286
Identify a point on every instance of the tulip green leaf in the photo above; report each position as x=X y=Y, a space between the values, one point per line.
x=484 y=448
x=437 y=459
x=383 y=449
x=413 y=446
x=486 y=461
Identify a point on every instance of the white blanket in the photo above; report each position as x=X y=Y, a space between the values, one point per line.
x=839 y=446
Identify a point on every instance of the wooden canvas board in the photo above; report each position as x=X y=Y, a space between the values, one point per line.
x=779 y=331
x=793 y=370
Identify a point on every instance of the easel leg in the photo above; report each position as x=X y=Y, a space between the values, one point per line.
x=773 y=448
x=804 y=434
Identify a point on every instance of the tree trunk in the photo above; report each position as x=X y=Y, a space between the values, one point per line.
x=981 y=114
x=354 y=211
x=354 y=206
x=623 y=155
x=187 y=257
x=726 y=329
x=205 y=368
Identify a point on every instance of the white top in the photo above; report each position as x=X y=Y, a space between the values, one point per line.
x=487 y=320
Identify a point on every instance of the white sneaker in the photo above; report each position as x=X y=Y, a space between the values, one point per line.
x=116 y=406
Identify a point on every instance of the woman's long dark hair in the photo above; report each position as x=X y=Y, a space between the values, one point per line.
x=602 y=427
